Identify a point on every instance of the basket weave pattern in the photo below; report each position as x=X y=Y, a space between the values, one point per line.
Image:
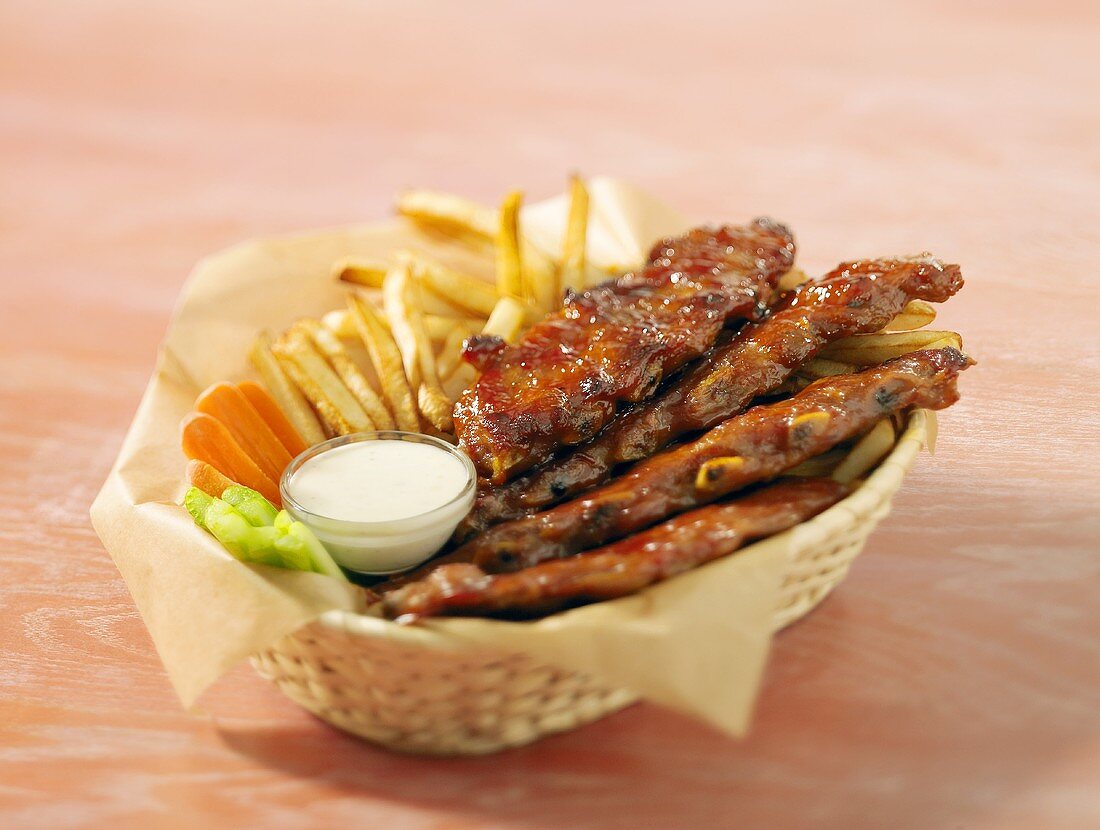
x=414 y=698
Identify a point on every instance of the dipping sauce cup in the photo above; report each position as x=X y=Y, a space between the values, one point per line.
x=381 y=502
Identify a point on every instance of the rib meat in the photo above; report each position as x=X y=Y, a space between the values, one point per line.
x=855 y=298
x=614 y=343
x=621 y=568
x=751 y=447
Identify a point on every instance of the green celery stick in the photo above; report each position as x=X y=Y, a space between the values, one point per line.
x=322 y=560
x=255 y=508
x=239 y=537
x=295 y=555
x=196 y=502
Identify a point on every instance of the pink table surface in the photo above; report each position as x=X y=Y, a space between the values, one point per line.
x=952 y=681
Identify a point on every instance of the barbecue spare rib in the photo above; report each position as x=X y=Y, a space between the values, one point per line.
x=621 y=568
x=752 y=447
x=614 y=343
x=855 y=298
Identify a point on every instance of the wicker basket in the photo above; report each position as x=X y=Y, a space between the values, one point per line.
x=391 y=685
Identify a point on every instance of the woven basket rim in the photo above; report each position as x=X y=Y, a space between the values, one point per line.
x=884 y=481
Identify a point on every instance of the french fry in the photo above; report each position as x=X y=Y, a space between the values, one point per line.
x=463 y=377
x=338 y=358
x=206 y=478
x=286 y=394
x=867 y=452
x=541 y=277
x=360 y=272
x=450 y=354
x=395 y=305
x=871 y=349
x=388 y=365
x=273 y=416
x=459 y=218
x=205 y=438
x=574 y=241
x=332 y=400
x=507 y=319
x=327 y=414
x=436 y=406
x=509 y=262
x=822 y=368
x=409 y=332
x=439 y=327
x=228 y=404
x=818 y=466
x=338 y=321
x=473 y=295
x=792 y=279
x=916 y=314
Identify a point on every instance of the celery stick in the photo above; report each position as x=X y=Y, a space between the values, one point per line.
x=255 y=508
x=239 y=537
x=196 y=502
x=323 y=563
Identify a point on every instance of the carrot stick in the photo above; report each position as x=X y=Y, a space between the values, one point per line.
x=205 y=438
x=261 y=399
x=207 y=479
x=225 y=402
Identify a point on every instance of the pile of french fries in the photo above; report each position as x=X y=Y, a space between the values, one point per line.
x=384 y=361
x=392 y=359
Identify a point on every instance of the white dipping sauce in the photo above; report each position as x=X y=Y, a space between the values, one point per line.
x=378 y=481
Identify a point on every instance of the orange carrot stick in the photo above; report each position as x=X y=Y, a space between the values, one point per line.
x=205 y=438
x=261 y=399
x=207 y=479
x=225 y=402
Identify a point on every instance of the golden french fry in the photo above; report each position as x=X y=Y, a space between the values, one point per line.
x=792 y=279
x=819 y=465
x=466 y=292
x=822 y=368
x=361 y=272
x=574 y=242
x=462 y=378
x=450 y=353
x=332 y=400
x=437 y=406
x=916 y=314
x=399 y=293
x=509 y=263
x=395 y=305
x=329 y=416
x=439 y=327
x=333 y=350
x=286 y=394
x=871 y=349
x=451 y=215
x=339 y=322
x=867 y=452
x=388 y=365
x=507 y=319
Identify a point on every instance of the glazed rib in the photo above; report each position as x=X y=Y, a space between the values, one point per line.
x=855 y=298
x=614 y=343
x=751 y=447
x=621 y=568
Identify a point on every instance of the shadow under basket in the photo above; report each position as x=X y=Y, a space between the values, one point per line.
x=410 y=693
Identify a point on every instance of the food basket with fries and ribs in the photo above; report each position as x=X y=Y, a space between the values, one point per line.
x=543 y=429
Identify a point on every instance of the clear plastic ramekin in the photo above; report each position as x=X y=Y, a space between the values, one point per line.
x=387 y=546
